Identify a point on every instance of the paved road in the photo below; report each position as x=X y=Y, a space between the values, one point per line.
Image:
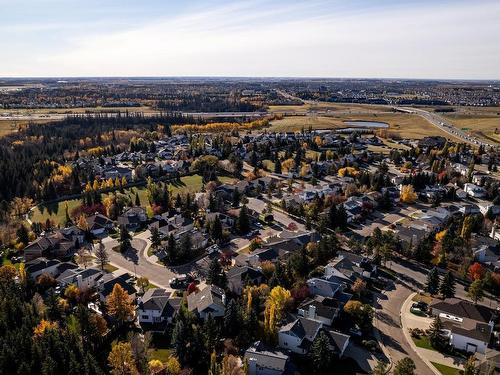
x=448 y=127
x=136 y=263
x=387 y=321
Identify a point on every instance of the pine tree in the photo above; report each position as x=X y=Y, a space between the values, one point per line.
x=243 y=222
x=447 y=287
x=435 y=334
x=124 y=239
x=321 y=355
x=216 y=275
x=172 y=249
x=137 y=199
x=405 y=366
x=433 y=281
x=232 y=319
x=155 y=238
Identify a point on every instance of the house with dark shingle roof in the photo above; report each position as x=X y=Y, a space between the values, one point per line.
x=105 y=287
x=99 y=224
x=133 y=218
x=470 y=325
x=238 y=277
x=156 y=308
x=50 y=245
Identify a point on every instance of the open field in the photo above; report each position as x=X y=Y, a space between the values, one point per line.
x=11 y=126
x=57 y=213
x=486 y=126
x=400 y=124
x=325 y=106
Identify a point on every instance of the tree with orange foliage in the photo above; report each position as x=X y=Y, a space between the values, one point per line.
x=476 y=271
x=119 y=304
x=43 y=326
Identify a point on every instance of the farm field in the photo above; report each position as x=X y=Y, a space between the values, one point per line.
x=56 y=211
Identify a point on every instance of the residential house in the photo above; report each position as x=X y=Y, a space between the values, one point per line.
x=50 y=245
x=83 y=279
x=263 y=360
x=106 y=284
x=133 y=218
x=321 y=309
x=349 y=266
x=470 y=325
x=238 y=277
x=157 y=307
x=211 y=300
x=99 y=225
x=474 y=190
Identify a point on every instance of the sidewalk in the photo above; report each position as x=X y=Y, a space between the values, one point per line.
x=409 y=320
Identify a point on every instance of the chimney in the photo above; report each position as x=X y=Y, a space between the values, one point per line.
x=312 y=311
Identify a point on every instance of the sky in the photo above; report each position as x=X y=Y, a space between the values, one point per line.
x=442 y=39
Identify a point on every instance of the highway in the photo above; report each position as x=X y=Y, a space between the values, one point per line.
x=446 y=126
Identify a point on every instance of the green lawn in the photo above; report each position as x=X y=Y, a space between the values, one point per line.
x=162 y=348
x=56 y=211
x=423 y=342
x=110 y=268
x=446 y=370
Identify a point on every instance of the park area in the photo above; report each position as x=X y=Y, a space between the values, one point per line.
x=56 y=212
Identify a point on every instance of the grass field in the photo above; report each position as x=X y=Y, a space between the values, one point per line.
x=325 y=106
x=423 y=342
x=56 y=211
x=408 y=126
x=485 y=126
x=446 y=370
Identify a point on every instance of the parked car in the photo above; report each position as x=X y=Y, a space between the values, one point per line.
x=181 y=281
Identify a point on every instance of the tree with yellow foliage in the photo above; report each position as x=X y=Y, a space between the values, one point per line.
x=347 y=171
x=440 y=235
x=408 y=194
x=109 y=183
x=277 y=302
x=173 y=366
x=287 y=165
x=119 y=304
x=43 y=326
x=155 y=366
x=95 y=185
x=121 y=359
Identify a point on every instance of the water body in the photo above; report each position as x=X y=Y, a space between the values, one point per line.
x=368 y=124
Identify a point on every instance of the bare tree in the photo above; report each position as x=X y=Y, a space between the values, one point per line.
x=101 y=254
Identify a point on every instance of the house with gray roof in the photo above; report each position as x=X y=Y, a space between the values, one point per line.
x=263 y=360
x=211 y=300
x=156 y=308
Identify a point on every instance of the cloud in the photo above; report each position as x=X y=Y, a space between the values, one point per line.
x=317 y=38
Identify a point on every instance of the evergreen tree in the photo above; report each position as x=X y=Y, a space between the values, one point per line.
x=125 y=238
x=243 y=221
x=23 y=234
x=155 y=238
x=216 y=232
x=172 y=249
x=232 y=319
x=216 y=275
x=277 y=166
x=447 y=287
x=321 y=355
x=137 y=199
x=432 y=285
x=435 y=334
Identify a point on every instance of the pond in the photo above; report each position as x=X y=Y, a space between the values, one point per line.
x=367 y=124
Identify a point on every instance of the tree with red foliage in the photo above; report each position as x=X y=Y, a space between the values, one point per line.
x=300 y=292
x=192 y=288
x=476 y=271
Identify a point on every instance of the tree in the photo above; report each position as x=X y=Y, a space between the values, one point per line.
x=216 y=275
x=67 y=220
x=119 y=304
x=155 y=366
x=243 y=221
x=476 y=291
x=23 y=235
x=432 y=285
x=476 y=271
x=142 y=282
x=470 y=367
x=124 y=239
x=380 y=368
x=321 y=355
x=101 y=254
x=359 y=286
x=155 y=238
x=173 y=366
x=232 y=319
x=121 y=360
x=408 y=194
x=447 y=287
x=405 y=366
x=361 y=314
x=435 y=334
x=137 y=199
